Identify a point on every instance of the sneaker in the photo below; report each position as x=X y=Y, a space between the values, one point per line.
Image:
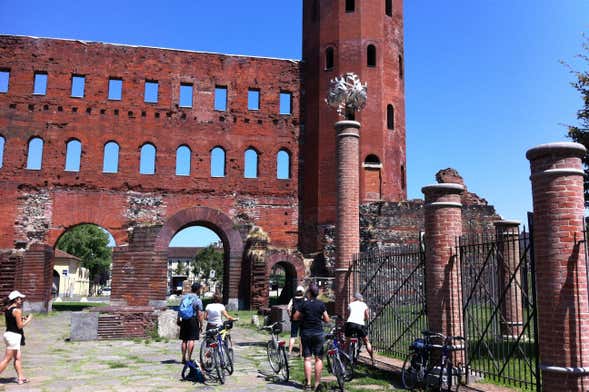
x=308 y=387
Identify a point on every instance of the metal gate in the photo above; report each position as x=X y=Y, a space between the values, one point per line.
x=499 y=299
x=392 y=283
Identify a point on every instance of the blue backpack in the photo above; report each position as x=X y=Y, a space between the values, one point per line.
x=186 y=309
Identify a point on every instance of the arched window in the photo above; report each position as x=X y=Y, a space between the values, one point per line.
x=371 y=56
x=73 y=153
x=110 y=163
x=401 y=67
x=388 y=7
x=183 y=161
x=147 y=159
x=372 y=177
x=217 y=162
x=350 y=5
x=2 y=143
x=390 y=117
x=251 y=163
x=283 y=165
x=35 y=154
x=329 y=58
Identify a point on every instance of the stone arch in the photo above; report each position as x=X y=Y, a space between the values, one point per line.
x=294 y=267
x=223 y=226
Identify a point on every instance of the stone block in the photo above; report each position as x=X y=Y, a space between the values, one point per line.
x=166 y=324
x=84 y=326
x=279 y=313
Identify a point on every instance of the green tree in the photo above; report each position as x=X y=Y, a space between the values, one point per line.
x=180 y=269
x=580 y=132
x=207 y=260
x=90 y=244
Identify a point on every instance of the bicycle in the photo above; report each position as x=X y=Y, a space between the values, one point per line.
x=419 y=369
x=338 y=362
x=276 y=351
x=353 y=349
x=216 y=351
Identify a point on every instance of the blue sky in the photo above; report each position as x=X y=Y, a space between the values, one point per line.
x=484 y=81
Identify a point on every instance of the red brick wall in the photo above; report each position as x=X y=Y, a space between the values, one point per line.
x=63 y=199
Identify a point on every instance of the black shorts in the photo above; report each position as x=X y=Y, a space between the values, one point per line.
x=294 y=328
x=189 y=329
x=353 y=330
x=312 y=345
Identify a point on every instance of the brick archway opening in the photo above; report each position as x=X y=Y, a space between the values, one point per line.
x=223 y=226
x=294 y=273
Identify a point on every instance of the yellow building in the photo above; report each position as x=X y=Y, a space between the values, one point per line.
x=70 y=279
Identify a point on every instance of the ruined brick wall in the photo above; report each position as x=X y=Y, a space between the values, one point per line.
x=38 y=205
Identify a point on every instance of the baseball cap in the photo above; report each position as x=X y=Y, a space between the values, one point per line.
x=359 y=296
x=15 y=294
x=300 y=289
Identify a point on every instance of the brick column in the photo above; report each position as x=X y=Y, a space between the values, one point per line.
x=347 y=236
x=443 y=225
x=561 y=276
x=507 y=234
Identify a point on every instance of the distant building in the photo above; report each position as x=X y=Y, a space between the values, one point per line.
x=70 y=279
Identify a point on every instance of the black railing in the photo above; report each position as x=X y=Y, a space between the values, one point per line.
x=498 y=287
x=392 y=283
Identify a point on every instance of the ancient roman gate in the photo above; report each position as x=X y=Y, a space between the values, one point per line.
x=144 y=142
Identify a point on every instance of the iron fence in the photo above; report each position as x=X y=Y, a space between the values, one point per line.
x=498 y=287
x=393 y=285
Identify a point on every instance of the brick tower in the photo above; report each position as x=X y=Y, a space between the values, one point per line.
x=364 y=37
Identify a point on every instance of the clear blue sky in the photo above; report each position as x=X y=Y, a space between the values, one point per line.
x=483 y=78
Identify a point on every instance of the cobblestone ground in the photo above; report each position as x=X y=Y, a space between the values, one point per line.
x=54 y=364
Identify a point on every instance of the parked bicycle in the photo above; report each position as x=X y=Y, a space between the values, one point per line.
x=216 y=352
x=421 y=369
x=338 y=362
x=276 y=350
x=353 y=349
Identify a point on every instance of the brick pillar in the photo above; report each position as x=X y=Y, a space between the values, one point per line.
x=443 y=225
x=347 y=236
x=507 y=234
x=36 y=277
x=561 y=276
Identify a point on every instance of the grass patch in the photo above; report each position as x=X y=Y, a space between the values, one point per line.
x=116 y=364
x=76 y=306
x=137 y=359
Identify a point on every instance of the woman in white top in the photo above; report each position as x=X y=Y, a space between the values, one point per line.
x=358 y=314
x=215 y=312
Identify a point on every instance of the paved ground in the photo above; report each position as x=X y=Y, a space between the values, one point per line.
x=54 y=364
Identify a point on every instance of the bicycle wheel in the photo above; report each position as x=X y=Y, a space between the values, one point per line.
x=449 y=378
x=218 y=369
x=412 y=372
x=347 y=366
x=353 y=352
x=206 y=357
x=273 y=357
x=284 y=370
x=229 y=345
x=338 y=372
x=228 y=362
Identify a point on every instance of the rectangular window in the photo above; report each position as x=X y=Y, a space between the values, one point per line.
x=151 y=91
x=115 y=89
x=253 y=99
x=285 y=102
x=4 y=76
x=185 y=95
x=78 y=83
x=221 y=98
x=40 y=86
x=350 y=5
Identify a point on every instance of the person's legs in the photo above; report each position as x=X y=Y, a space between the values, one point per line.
x=369 y=348
x=290 y=344
x=18 y=366
x=184 y=346
x=308 y=368
x=318 y=370
x=189 y=349
x=8 y=355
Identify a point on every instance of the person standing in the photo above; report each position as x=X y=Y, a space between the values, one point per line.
x=292 y=307
x=358 y=316
x=14 y=336
x=190 y=315
x=215 y=312
x=311 y=314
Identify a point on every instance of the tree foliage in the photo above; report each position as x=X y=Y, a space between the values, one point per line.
x=90 y=244
x=207 y=260
x=580 y=132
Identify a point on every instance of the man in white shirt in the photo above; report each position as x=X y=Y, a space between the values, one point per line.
x=358 y=315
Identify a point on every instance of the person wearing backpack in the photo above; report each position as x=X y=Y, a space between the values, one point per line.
x=190 y=314
x=293 y=306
